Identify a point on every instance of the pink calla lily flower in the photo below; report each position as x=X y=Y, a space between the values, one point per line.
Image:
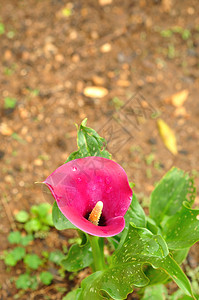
x=81 y=183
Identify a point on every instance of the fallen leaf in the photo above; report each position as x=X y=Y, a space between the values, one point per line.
x=95 y=91
x=178 y=99
x=181 y=112
x=167 y=136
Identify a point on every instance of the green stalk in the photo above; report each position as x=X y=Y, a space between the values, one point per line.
x=98 y=253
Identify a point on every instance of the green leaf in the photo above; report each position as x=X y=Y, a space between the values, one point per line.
x=18 y=253
x=15 y=255
x=169 y=194
x=14 y=237
x=178 y=295
x=136 y=215
x=46 y=277
x=151 y=225
x=10 y=260
x=48 y=220
x=41 y=210
x=73 y=295
x=2 y=28
x=26 y=281
x=157 y=292
x=141 y=247
x=56 y=257
x=22 y=216
x=33 y=261
x=10 y=103
x=179 y=255
x=79 y=257
x=182 y=229
x=33 y=225
x=59 y=220
x=89 y=143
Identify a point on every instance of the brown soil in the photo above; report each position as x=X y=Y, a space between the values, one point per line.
x=47 y=59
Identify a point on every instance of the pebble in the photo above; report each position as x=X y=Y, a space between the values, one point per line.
x=97 y=80
x=2 y=153
x=104 y=2
x=123 y=83
x=5 y=129
x=95 y=92
x=106 y=48
x=38 y=162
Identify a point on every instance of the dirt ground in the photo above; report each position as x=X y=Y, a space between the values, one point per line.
x=50 y=52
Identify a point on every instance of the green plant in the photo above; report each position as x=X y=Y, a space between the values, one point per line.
x=10 y=103
x=31 y=261
x=2 y=28
x=39 y=219
x=149 y=250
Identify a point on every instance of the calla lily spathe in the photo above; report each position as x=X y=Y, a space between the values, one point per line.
x=79 y=184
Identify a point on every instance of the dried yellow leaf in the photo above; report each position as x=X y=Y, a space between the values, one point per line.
x=168 y=136
x=178 y=99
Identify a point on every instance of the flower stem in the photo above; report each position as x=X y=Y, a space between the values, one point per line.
x=98 y=253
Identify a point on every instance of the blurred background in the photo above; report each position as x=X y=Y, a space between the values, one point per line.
x=124 y=65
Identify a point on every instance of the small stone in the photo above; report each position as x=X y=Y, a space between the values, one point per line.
x=75 y=58
x=95 y=92
x=29 y=139
x=5 y=129
x=79 y=86
x=2 y=153
x=104 y=2
x=59 y=58
x=190 y=10
x=94 y=35
x=73 y=35
x=183 y=151
x=152 y=141
x=8 y=179
x=7 y=55
x=106 y=48
x=38 y=162
x=98 y=80
x=24 y=130
x=123 y=83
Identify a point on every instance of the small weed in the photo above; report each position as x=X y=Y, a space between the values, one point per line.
x=150 y=158
x=11 y=34
x=10 y=103
x=155 y=114
x=26 y=281
x=46 y=277
x=184 y=32
x=40 y=216
x=10 y=70
x=171 y=53
x=166 y=33
x=39 y=219
x=117 y=103
x=56 y=257
x=16 y=137
x=2 y=28
x=32 y=261
x=148 y=173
